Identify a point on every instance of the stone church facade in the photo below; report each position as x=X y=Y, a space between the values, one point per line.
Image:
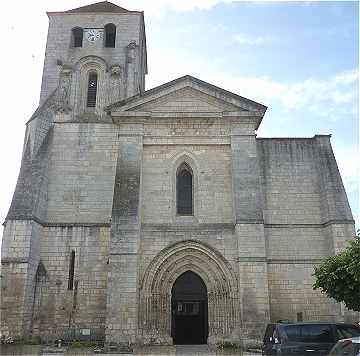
x=140 y=213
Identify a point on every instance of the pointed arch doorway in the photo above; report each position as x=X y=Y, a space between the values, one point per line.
x=159 y=294
x=189 y=310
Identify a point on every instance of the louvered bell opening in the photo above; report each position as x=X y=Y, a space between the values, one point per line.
x=77 y=36
x=92 y=88
x=110 y=35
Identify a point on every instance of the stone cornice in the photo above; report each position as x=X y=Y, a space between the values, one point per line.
x=181 y=227
x=296 y=226
x=58 y=224
x=190 y=227
x=310 y=261
x=7 y=260
x=146 y=115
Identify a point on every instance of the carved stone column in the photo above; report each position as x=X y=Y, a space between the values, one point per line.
x=115 y=84
x=131 y=75
x=63 y=90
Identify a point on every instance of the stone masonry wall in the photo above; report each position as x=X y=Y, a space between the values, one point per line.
x=82 y=173
x=291 y=182
x=296 y=227
x=290 y=291
x=57 y=307
x=19 y=260
x=211 y=166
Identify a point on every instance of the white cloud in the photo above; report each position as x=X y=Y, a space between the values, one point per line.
x=159 y=7
x=322 y=96
x=245 y=39
x=349 y=167
x=330 y=96
x=151 y=8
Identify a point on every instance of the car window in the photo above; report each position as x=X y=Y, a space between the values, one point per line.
x=269 y=333
x=345 y=348
x=316 y=333
x=292 y=332
x=309 y=333
x=346 y=331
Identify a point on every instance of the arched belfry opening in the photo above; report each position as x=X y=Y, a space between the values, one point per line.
x=110 y=35
x=184 y=190
x=189 y=310
x=77 y=34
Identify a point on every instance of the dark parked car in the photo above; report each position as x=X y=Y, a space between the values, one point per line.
x=305 y=339
x=346 y=347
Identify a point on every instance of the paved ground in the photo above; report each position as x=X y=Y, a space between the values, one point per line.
x=179 y=350
x=188 y=350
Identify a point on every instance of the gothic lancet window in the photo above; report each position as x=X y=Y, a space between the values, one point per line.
x=92 y=89
x=110 y=35
x=184 y=190
x=77 y=37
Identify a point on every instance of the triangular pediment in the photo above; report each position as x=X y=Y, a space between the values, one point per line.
x=186 y=100
x=189 y=95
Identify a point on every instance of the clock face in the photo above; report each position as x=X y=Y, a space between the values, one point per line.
x=92 y=35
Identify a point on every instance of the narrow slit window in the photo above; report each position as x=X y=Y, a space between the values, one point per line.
x=110 y=35
x=92 y=89
x=71 y=271
x=184 y=190
x=77 y=37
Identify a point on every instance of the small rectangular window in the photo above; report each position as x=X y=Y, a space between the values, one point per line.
x=92 y=89
x=71 y=271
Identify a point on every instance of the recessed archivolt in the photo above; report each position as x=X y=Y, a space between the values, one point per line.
x=83 y=67
x=167 y=266
x=91 y=62
x=212 y=267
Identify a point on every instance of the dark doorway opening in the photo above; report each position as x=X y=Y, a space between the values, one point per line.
x=189 y=310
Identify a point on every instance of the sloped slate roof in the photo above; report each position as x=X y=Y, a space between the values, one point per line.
x=103 y=6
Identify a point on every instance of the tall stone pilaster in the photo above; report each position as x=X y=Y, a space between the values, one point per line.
x=121 y=324
x=249 y=229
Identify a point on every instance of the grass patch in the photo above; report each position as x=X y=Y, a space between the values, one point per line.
x=228 y=345
x=80 y=344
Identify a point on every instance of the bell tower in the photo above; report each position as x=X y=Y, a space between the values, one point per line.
x=95 y=56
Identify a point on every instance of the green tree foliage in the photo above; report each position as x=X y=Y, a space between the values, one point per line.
x=339 y=276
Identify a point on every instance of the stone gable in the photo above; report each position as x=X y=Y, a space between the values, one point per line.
x=186 y=100
x=188 y=94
